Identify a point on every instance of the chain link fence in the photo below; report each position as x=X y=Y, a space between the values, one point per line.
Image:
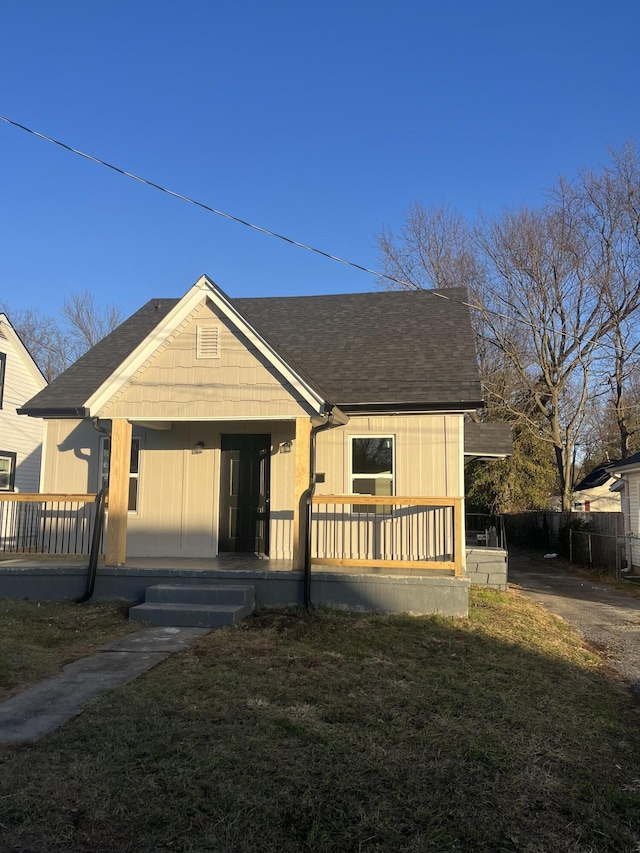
x=594 y=540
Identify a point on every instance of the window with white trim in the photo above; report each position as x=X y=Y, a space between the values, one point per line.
x=372 y=470
x=134 y=469
x=7 y=470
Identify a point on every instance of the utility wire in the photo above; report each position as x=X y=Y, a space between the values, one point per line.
x=402 y=282
x=213 y=209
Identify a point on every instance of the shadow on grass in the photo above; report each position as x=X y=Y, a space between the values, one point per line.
x=334 y=732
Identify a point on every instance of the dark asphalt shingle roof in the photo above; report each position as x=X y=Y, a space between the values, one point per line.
x=487 y=439
x=597 y=477
x=73 y=388
x=630 y=460
x=388 y=347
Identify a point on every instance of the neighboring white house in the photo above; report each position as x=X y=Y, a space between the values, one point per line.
x=627 y=474
x=593 y=493
x=20 y=439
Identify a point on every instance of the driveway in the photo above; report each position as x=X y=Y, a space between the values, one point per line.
x=603 y=614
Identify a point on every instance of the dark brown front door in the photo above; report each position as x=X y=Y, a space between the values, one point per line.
x=244 y=493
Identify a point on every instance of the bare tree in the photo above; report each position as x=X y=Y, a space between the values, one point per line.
x=433 y=250
x=613 y=199
x=556 y=290
x=55 y=345
x=85 y=323
x=43 y=338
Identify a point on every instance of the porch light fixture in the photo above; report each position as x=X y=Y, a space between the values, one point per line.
x=198 y=447
x=286 y=446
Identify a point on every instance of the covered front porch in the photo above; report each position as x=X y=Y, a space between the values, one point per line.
x=275 y=583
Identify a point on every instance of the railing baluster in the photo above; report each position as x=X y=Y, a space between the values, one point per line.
x=419 y=532
x=46 y=524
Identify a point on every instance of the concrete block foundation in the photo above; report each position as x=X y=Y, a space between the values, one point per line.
x=487 y=567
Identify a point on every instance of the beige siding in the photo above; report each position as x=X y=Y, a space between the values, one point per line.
x=428 y=462
x=179 y=491
x=175 y=384
x=428 y=454
x=71 y=457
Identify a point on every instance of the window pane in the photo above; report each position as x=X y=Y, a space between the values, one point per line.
x=133 y=494
x=5 y=473
x=104 y=464
x=135 y=453
x=372 y=456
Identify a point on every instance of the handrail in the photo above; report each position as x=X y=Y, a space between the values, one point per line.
x=44 y=497
x=98 y=525
x=47 y=523
x=386 y=500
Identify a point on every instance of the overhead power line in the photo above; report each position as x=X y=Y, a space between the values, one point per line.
x=402 y=282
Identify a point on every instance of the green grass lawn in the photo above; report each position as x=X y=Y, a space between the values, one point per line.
x=345 y=733
x=38 y=638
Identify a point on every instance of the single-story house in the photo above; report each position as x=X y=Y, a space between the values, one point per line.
x=20 y=440
x=593 y=493
x=246 y=426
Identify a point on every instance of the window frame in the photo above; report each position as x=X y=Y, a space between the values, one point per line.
x=375 y=509
x=103 y=480
x=12 y=457
x=3 y=375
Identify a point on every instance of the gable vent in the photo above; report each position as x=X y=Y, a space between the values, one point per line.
x=208 y=342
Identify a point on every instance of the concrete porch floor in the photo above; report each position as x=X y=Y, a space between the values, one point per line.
x=225 y=563
x=275 y=582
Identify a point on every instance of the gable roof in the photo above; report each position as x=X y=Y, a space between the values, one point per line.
x=598 y=477
x=7 y=331
x=391 y=350
x=630 y=462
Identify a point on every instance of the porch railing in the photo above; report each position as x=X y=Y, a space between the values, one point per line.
x=485 y=531
x=46 y=523
x=388 y=532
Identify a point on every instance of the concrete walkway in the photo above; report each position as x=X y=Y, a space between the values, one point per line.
x=50 y=703
x=603 y=614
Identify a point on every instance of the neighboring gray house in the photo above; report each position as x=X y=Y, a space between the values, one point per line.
x=20 y=439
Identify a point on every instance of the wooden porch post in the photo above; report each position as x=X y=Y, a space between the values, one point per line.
x=459 y=537
x=120 y=462
x=302 y=446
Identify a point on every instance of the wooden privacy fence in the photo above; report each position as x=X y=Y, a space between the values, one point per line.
x=389 y=532
x=46 y=523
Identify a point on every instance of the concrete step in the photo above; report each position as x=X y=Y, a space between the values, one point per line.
x=194 y=605
x=167 y=593
x=189 y=615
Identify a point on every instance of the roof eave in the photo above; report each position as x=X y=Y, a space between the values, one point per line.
x=411 y=407
x=55 y=412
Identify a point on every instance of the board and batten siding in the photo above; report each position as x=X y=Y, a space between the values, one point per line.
x=19 y=434
x=71 y=464
x=178 y=490
x=428 y=453
x=428 y=462
x=174 y=383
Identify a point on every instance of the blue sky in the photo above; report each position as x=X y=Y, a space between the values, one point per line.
x=320 y=121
